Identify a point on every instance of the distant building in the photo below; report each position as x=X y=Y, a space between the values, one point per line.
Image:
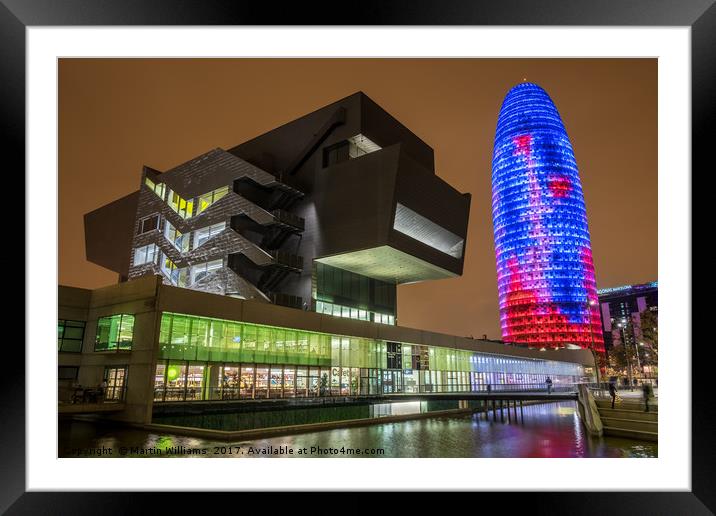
x=623 y=305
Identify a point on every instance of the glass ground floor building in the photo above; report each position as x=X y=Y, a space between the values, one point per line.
x=151 y=344
x=205 y=358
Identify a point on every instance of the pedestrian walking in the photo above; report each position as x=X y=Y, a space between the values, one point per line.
x=648 y=394
x=548 y=381
x=102 y=390
x=613 y=392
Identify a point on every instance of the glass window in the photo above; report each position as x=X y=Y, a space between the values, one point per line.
x=194 y=382
x=156 y=188
x=204 y=234
x=276 y=382
x=145 y=254
x=170 y=269
x=335 y=381
x=148 y=224
x=202 y=270
x=262 y=379
x=126 y=332
x=247 y=382
x=301 y=382
x=159 y=382
x=206 y=200
x=179 y=240
x=198 y=332
x=184 y=208
x=231 y=381
x=115 y=332
x=176 y=382
x=70 y=335
x=116 y=382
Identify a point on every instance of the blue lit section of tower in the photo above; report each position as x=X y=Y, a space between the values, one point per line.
x=545 y=273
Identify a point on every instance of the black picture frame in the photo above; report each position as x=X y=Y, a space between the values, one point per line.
x=700 y=15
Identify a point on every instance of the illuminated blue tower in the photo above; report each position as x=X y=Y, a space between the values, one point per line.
x=545 y=272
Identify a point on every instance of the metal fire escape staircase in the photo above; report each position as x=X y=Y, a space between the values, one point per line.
x=267 y=222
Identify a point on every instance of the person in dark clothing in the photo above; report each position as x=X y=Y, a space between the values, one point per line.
x=648 y=394
x=548 y=381
x=613 y=392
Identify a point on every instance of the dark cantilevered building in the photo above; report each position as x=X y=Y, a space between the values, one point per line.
x=329 y=212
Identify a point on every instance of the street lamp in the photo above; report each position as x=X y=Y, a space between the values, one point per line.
x=589 y=304
x=630 y=374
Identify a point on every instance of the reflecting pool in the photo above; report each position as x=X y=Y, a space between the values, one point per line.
x=547 y=430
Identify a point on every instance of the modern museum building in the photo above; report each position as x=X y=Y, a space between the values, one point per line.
x=270 y=270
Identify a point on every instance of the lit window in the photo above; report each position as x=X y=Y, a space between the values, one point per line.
x=204 y=234
x=170 y=269
x=201 y=271
x=114 y=333
x=206 y=200
x=178 y=239
x=145 y=254
x=158 y=188
x=184 y=208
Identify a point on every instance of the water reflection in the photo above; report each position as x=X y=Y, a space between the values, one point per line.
x=547 y=430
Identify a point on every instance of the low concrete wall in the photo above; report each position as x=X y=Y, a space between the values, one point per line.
x=588 y=412
x=262 y=433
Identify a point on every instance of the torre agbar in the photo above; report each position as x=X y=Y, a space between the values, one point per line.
x=545 y=273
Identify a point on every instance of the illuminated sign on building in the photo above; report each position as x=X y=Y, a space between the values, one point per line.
x=653 y=284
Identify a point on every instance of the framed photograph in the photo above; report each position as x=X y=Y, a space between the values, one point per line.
x=425 y=242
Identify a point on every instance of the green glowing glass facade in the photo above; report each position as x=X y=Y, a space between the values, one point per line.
x=185 y=337
x=115 y=333
x=203 y=358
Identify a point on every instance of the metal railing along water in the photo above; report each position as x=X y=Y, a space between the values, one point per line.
x=228 y=393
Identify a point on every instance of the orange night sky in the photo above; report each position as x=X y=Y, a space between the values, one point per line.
x=116 y=115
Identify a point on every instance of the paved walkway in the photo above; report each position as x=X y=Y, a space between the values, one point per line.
x=636 y=393
x=632 y=396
